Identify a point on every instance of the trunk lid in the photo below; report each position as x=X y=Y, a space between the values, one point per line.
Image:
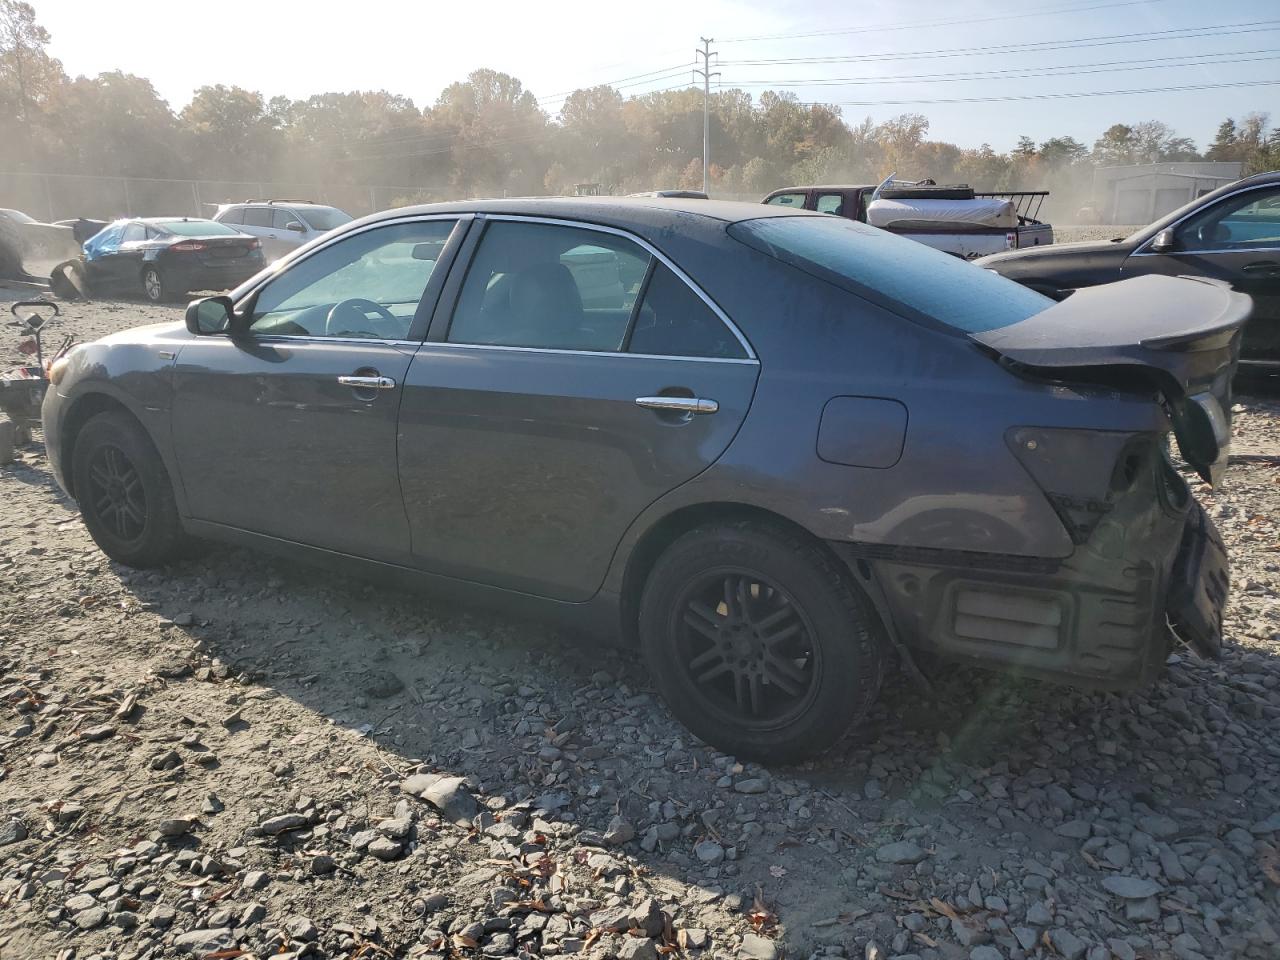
x=1180 y=335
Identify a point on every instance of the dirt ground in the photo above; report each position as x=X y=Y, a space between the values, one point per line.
x=238 y=756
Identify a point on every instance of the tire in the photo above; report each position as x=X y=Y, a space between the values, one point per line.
x=124 y=493
x=154 y=288
x=760 y=642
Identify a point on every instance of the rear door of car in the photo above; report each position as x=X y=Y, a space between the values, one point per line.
x=546 y=409
x=257 y=223
x=1237 y=239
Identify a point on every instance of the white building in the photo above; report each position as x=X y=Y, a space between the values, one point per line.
x=1142 y=192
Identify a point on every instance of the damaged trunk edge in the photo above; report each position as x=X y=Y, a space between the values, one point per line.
x=1178 y=335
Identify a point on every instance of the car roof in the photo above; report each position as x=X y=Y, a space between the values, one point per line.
x=622 y=212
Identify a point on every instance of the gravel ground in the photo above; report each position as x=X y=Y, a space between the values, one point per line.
x=239 y=756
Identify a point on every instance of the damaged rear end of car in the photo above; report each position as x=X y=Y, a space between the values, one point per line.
x=1148 y=569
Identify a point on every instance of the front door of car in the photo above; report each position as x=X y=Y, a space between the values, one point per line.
x=569 y=381
x=1237 y=239
x=289 y=429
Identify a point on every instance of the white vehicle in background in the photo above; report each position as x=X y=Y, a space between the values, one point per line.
x=281 y=225
x=952 y=218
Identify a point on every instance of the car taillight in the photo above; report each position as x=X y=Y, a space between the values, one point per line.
x=188 y=246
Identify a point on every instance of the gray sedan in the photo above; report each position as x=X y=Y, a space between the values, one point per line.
x=772 y=451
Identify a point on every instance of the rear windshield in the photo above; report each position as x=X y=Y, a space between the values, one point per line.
x=322 y=218
x=196 y=228
x=901 y=274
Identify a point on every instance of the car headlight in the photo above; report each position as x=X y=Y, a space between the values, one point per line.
x=58 y=368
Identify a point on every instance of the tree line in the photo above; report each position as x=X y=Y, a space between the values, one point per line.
x=488 y=135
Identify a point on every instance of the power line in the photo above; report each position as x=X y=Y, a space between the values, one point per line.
x=924 y=25
x=1118 y=39
x=1066 y=70
x=613 y=83
x=1043 y=96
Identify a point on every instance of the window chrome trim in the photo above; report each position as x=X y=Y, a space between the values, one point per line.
x=653 y=252
x=1142 y=249
x=313 y=338
x=751 y=361
x=1202 y=253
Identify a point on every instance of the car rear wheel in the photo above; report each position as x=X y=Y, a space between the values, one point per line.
x=124 y=492
x=153 y=285
x=759 y=641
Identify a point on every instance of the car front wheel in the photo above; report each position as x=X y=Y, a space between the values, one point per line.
x=759 y=641
x=124 y=493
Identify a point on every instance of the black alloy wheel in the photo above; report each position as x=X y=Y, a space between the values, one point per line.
x=747 y=648
x=117 y=492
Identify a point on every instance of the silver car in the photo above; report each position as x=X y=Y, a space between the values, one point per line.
x=281 y=225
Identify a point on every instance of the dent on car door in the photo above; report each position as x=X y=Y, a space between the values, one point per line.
x=1237 y=240
x=289 y=430
x=577 y=379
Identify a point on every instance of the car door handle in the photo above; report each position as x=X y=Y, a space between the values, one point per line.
x=1262 y=266
x=678 y=404
x=368 y=383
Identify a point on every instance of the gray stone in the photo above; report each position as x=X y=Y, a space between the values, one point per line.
x=381 y=684
x=1027 y=937
x=173 y=827
x=620 y=831
x=1075 y=829
x=285 y=821
x=756 y=947
x=253 y=913
x=1130 y=888
x=968 y=934
x=301 y=928
x=1039 y=915
x=1067 y=943
x=161 y=916
x=397 y=828
x=81 y=901
x=384 y=848
x=1142 y=911
x=91 y=918
x=1121 y=950
x=124 y=919
x=255 y=880
x=201 y=942
x=709 y=852
x=903 y=851
x=695 y=938
x=499 y=945
x=752 y=785
x=323 y=864
x=1160 y=827
x=12 y=831
x=638 y=948
x=985 y=953
x=446 y=794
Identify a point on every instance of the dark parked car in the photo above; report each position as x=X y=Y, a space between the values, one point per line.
x=1231 y=234
x=774 y=452
x=164 y=257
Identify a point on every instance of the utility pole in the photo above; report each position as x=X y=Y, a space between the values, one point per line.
x=706 y=54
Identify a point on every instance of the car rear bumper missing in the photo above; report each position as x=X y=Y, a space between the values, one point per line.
x=1099 y=619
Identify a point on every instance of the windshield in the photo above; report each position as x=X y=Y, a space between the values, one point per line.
x=196 y=228
x=323 y=218
x=902 y=275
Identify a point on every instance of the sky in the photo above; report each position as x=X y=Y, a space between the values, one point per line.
x=895 y=56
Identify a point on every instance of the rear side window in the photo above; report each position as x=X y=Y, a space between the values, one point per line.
x=234 y=215
x=675 y=322
x=830 y=203
x=905 y=276
x=257 y=216
x=134 y=231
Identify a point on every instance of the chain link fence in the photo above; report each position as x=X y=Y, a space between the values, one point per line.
x=57 y=196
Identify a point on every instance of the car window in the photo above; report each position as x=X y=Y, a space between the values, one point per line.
x=106 y=240
x=550 y=286
x=197 y=228
x=234 y=215
x=324 y=218
x=280 y=219
x=1247 y=221
x=134 y=231
x=257 y=216
x=673 y=321
x=787 y=200
x=902 y=275
x=367 y=285
x=831 y=203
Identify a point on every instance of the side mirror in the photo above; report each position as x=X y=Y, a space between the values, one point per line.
x=293 y=226
x=1164 y=242
x=210 y=316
